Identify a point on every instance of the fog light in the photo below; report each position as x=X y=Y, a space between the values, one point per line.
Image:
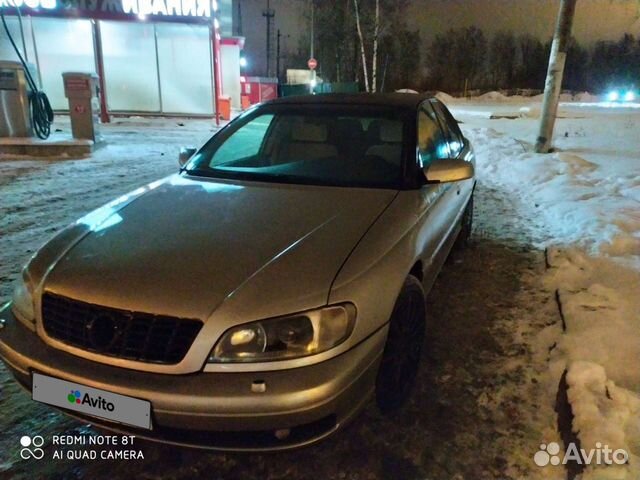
x=282 y=434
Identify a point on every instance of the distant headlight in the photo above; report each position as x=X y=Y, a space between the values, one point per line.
x=22 y=301
x=289 y=337
x=613 y=96
x=629 y=97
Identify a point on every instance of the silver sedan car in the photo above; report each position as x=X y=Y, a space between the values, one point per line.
x=259 y=297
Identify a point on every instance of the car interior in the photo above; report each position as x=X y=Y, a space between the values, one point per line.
x=322 y=147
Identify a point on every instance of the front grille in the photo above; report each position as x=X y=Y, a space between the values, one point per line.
x=118 y=333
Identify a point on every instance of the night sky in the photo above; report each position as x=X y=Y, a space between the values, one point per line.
x=595 y=20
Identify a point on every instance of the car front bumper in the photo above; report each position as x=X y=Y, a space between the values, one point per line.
x=214 y=410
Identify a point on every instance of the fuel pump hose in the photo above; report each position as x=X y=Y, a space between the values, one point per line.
x=41 y=111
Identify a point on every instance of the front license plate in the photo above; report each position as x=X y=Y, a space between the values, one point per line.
x=91 y=401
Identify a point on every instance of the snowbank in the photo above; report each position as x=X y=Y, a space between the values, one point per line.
x=532 y=111
x=586 y=207
x=601 y=310
x=446 y=98
x=497 y=98
x=585 y=97
x=581 y=203
x=581 y=97
x=604 y=414
x=493 y=97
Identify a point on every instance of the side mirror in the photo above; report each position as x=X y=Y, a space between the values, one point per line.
x=185 y=154
x=448 y=170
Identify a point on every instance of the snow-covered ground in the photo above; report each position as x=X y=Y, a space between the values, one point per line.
x=585 y=198
x=40 y=196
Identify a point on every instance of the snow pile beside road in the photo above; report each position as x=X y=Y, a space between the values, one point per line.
x=564 y=97
x=580 y=203
x=532 y=111
x=446 y=98
x=587 y=203
x=599 y=349
x=500 y=98
x=492 y=97
x=585 y=97
x=605 y=414
x=600 y=306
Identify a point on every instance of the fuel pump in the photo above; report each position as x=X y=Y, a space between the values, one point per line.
x=41 y=114
x=84 y=107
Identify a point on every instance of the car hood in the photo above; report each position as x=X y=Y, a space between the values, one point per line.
x=184 y=246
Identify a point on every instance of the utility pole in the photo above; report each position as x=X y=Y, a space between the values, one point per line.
x=239 y=27
x=278 y=54
x=269 y=13
x=553 y=84
x=312 y=25
x=313 y=71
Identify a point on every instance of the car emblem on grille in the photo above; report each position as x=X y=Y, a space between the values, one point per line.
x=103 y=331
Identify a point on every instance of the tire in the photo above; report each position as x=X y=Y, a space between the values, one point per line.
x=401 y=356
x=467 y=226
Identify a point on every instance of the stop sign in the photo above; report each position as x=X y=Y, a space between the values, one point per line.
x=312 y=63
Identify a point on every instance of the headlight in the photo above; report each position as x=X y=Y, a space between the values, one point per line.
x=22 y=301
x=286 y=337
x=629 y=96
x=613 y=96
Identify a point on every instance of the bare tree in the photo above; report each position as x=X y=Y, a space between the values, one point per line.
x=352 y=39
x=362 y=50
x=502 y=60
x=376 y=31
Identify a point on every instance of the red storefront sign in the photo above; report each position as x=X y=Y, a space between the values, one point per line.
x=182 y=11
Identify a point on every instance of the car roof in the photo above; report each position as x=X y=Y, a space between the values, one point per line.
x=406 y=100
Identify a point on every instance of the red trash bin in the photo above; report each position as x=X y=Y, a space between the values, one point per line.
x=224 y=103
x=246 y=102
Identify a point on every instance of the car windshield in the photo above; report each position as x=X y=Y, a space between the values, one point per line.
x=358 y=146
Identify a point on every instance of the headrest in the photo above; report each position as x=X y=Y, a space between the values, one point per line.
x=350 y=126
x=309 y=132
x=390 y=131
